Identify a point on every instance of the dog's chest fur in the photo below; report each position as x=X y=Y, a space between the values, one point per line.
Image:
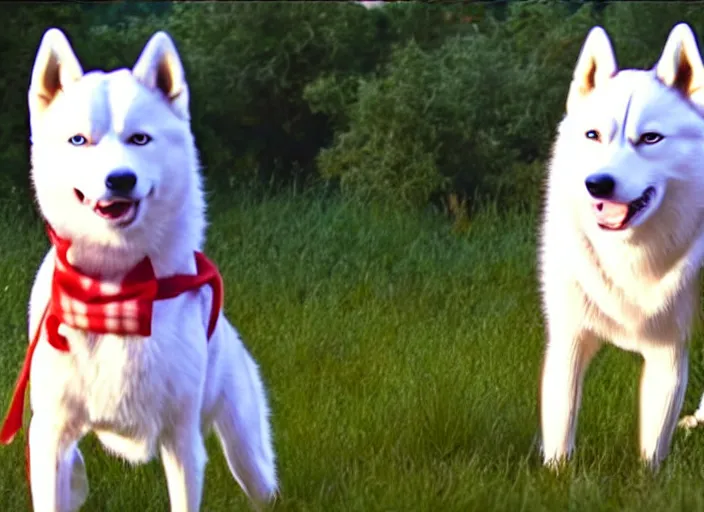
x=127 y=389
x=629 y=305
x=616 y=291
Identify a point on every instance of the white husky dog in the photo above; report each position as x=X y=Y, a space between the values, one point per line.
x=623 y=234
x=116 y=175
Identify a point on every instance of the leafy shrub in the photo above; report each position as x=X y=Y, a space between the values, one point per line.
x=474 y=116
x=249 y=64
x=423 y=124
x=411 y=103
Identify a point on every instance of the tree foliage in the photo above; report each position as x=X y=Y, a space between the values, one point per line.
x=412 y=103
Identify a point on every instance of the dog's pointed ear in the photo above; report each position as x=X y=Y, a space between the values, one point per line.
x=55 y=67
x=680 y=65
x=595 y=65
x=159 y=68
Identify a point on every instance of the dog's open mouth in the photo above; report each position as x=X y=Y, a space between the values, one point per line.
x=614 y=216
x=123 y=211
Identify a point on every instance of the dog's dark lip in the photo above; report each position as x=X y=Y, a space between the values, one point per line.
x=634 y=208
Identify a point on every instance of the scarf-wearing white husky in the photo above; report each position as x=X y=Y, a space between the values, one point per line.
x=623 y=234
x=116 y=175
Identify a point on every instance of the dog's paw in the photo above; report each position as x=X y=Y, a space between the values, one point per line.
x=688 y=422
x=556 y=464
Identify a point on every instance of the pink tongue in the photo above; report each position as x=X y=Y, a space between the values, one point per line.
x=609 y=213
x=113 y=210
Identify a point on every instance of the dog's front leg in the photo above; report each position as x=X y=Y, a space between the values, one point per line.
x=662 y=388
x=56 y=473
x=183 y=457
x=567 y=357
x=44 y=456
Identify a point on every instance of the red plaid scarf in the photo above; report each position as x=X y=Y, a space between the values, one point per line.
x=84 y=302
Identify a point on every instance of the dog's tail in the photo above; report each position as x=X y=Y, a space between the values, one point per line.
x=242 y=425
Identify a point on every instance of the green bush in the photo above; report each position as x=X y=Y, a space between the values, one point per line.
x=472 y=117
x=412 y=103
x=249 y=64
x=416 y=130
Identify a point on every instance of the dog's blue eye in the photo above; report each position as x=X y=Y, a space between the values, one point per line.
x=77 y=140
x=139 y=139
x=593 y=135
x=650 y=138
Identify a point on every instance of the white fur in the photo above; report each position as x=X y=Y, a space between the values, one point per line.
x=141 y=396
x=637 y=288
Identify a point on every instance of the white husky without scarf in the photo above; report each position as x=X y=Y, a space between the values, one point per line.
x=623 y=234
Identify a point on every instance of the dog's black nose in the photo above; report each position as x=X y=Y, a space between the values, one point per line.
x=600 y=186
x=121 y=182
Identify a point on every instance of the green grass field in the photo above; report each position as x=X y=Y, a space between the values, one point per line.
x=402 y=361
